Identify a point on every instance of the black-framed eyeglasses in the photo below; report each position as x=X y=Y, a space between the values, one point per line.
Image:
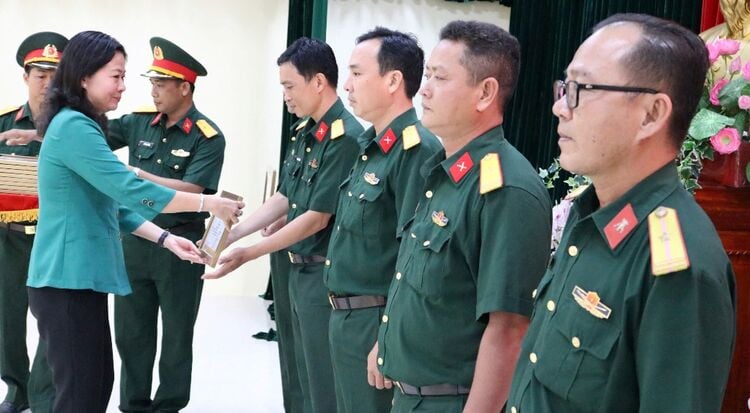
x=571 y=89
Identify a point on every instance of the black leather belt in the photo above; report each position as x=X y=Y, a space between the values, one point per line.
x=26 y=229
x=187 y=227
x=305 y=259
x=356 y=302
x=432 y=390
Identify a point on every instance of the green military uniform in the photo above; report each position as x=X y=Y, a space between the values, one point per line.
x=191 y=150
x=635 y=313
x=477 y=244
x=42 y=51
x=280 y=268
x=375 y=202
x=323 y=156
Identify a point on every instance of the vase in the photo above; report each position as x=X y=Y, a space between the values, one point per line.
x=727 y=170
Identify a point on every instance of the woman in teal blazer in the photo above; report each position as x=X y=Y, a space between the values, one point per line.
x=87 y=197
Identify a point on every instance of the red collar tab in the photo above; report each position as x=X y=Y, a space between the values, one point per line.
x=187 y=125
x=19 y=114
x=462 y=166
x=321 y=132
x=156 y=120
x=620 y=226
x=387 y=141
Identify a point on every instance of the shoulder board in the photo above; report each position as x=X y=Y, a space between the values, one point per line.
x=145 y=109
x=302 y=124
x=668 y=252
x=490 y=173
x=9 y=109
x=411 y=137
x=337 y=129
x=208 y=130
x=576 y=192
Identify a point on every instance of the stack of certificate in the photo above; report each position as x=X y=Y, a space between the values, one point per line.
x=18 y=174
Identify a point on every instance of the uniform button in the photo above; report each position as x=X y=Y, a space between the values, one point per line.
x=307 y=149
x=551 y=305
x=533 y=293
x=176 y=167
x=150 y=203
x=385 y=318
x=361 y=196
x=364 y=157
x=398 y=275
x=164 y=140
x=158 y=161
x=294 y=206
x=328 y=263
x=576 y=342
x=294 y=138
x=144 y=201
x=428 y=194
x=513 y=409
x=533 y=357
x=426 y=243
x=380 y=361
x=349 y=193
x=573 y=250
x=413 y=235
x=338 y=227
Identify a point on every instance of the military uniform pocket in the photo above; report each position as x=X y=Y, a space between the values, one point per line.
x=177 y=164
x=371 y=214
x=429 y=271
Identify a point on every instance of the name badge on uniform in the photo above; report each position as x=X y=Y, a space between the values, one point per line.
x=180 y=153
x=371 y=178
x=591 y=302
x=146 y=144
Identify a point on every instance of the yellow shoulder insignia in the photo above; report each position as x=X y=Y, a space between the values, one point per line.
x=411 y=137
x=145 y=109
x=576 y=192
x=490 y=173
x=9 y=109
x=208 y=130
x=668 y=252
x=337 y=129
x=302 y=124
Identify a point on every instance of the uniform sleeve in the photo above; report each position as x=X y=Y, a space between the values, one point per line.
x=409 y=184
x=117 y=134
x=338 y=161
x=684 y=343
x=205 y=166
x=514 y=249
x=91 y=158
x=129 y=221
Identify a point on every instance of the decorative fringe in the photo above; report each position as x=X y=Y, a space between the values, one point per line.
x=23 y=215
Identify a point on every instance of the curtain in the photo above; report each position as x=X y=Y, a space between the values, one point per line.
x=711 y=14
x=549 y=32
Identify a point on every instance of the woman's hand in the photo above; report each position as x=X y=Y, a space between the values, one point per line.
x=184 y=249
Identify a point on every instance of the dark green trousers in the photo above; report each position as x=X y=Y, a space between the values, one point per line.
x=310 y=317
x=34 y=388
x=403 y=403
x=160 y=281
x=290 y=383
x=352 y=334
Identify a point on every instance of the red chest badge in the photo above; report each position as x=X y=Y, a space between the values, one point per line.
x=321 y=132
x=462 y=166
x=620 y=226
x=387 y=141
x=187 y=125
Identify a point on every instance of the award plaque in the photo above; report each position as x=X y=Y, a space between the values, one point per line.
x=215 y=238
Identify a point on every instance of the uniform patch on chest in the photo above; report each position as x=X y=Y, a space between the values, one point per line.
x=146 y=144
x=439 y=218
x=591 y=302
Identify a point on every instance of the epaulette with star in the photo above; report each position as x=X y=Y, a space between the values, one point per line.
x=490 y=173
x=337 y=129
x=411 y=137
x=206 y=128
x=9 y=109
x=145 y=109
x=668 y=251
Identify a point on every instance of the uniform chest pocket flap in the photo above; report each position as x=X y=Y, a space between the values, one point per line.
x=310 y=171
x=427 y=270
x=144 y=150
x=573 y=359
x=178 y=159
x=369 y=193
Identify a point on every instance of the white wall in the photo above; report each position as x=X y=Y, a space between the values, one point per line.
x=238 y=42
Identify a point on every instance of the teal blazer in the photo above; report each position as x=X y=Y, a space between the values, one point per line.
x=86 y=197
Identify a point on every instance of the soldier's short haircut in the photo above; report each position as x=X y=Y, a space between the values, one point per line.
x=399 y=51
x=310 y=57
x=490 y=52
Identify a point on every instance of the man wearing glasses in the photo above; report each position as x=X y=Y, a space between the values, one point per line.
x=636 y=311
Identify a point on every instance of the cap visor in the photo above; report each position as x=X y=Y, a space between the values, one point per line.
x=43 y=65
x=157 y=75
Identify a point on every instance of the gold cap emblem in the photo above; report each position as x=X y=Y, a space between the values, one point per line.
x=50 y=51
x=158 y=54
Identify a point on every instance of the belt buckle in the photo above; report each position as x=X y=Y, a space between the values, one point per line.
x=400 y=387
x=29 y=229
x=330 y=300
x=291 y=256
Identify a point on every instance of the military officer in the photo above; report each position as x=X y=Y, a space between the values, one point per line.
x=325 y=150
x=177 y=146
x=636 y=311
x=476 y=245
x=39 y=55
x=385 y=71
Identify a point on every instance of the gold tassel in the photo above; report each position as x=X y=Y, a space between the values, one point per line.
x=24 y=215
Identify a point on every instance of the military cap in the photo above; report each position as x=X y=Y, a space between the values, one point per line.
x=42 y=50
x=170 y=61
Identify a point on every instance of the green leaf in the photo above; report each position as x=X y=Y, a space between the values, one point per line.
x=730 y=93
x=706 y=123
x=747 y=171
x=740 y=120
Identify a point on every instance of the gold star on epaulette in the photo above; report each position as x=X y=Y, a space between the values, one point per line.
x=411 y=137
x=668 y=252
x=337 y=129
x=9 y=109
x=207 y=130
x=490 y=173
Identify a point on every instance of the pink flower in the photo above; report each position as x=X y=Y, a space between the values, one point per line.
x=713 y=52
x=736 y=65
x=746 y=71
x=714 y=95
x=744 y=102
x=726 y=141
x=727 y=47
